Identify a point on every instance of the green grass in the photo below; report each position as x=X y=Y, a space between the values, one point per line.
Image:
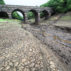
x=5 y=21
x=8 y=20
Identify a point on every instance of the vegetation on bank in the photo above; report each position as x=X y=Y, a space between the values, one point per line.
x=59 y=6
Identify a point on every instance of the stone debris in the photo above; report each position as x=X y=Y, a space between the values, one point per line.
x=21 y=51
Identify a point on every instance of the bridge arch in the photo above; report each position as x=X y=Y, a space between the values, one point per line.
x=35 y=16
x=44 y=14
x=3 y=14
x=18 y=14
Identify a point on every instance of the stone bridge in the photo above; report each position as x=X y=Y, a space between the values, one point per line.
x=7 y=10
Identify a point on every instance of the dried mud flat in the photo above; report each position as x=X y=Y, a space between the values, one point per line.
x=58 y=39
x=20 y=50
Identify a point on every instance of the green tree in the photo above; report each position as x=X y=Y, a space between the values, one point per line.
x=69 y=4
x=17 y=16
x=2 y=2
x=58 y=5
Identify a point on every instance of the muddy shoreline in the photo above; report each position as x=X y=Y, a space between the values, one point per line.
x=57 y=40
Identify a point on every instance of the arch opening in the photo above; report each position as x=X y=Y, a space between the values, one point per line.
x=3 y=15
x=44 y=15
x=18 y=14
x=33 y=16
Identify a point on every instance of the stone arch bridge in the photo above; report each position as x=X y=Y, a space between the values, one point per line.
x=9 y=9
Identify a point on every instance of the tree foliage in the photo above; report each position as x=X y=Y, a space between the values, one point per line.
x=17 y=16
x=2 y=2
x=69 y=4
x=58 y=5
x=30 y=15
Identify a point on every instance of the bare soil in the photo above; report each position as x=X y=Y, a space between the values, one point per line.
x=20 y=50
x=44 y=47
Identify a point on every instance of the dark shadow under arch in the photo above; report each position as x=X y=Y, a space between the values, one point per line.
x=45 y=14
x=18 y=10
x=3 y=14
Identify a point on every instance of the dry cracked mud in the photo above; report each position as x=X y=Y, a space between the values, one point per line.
x=20 y=50
x=57 y=39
